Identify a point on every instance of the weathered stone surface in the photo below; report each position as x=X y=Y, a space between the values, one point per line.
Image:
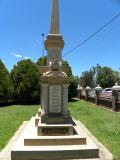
x=54 y=27
x=44 y=151
x=55 y=99
x=54 y=130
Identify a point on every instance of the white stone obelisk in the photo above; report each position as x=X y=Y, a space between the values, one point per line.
x=54 y=25
x=54 y=41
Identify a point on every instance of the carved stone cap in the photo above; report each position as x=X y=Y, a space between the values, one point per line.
x=87 y=88
x=98 y=88
x=116 y=87
x=79 y=87
x=54 y=40
x=44 y=69
x=55 y=80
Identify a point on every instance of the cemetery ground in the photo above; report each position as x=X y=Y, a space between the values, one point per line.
x=102 y=123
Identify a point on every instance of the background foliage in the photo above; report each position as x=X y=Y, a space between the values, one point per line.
x=26 y=81
x=104 y=76
x=22 y=84
x=6 y=87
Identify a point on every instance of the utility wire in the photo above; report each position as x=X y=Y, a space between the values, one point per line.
x=99 y=30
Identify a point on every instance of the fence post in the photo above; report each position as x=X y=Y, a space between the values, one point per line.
x=79 y=91
x=98 y=89
x=87 y=89
x=115 y=90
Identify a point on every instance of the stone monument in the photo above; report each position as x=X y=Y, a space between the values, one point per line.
x=55 y=82
x=52 y=134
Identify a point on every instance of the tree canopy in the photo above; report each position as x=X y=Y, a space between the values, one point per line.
x=26 y=81
x=5 y=82
x=87 y=79
x=106 y=77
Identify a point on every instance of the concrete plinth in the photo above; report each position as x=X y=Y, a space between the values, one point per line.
x=54 y=130
x=52 y=141
x=32 y=147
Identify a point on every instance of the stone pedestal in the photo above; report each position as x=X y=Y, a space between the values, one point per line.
x=115 y=91
x=79 y=91
x=54 y=100
x=98 y=89
x=87 y=89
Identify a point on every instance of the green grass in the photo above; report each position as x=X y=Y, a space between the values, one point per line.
x=11 y=118
x=103 y=124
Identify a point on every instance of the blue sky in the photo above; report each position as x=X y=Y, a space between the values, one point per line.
x=23 y=21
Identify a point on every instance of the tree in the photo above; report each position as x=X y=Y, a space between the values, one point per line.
x=87 y=79
x=42 y=61
x=117 y=77
x=5 y=83
x=72 y=92
x=106 y=77
x=26 y=81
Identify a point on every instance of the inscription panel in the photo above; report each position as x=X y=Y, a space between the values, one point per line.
x=55 y=99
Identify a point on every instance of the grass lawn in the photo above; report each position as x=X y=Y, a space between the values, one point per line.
x=11 y=118
x=102 y=123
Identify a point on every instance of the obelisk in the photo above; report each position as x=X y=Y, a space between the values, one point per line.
x=54 y=42
x=54 y=26
x=55 y=82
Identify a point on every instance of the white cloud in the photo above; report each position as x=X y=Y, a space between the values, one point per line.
x=26 y=57
x=16 y=55
x=20 y=56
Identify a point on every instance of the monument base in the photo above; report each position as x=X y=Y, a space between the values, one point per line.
x=56 y=119
x=54 y=130
x=31 y=146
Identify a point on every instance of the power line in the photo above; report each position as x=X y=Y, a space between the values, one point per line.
x=99 y=30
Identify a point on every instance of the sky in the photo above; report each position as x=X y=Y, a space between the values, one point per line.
x=23 y=21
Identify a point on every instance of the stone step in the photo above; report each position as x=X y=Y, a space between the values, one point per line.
x=54 y=130
x=53 y=141
x=53 y=153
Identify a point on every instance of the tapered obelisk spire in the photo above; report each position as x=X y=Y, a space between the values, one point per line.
x=54 y=41
x=54 y=26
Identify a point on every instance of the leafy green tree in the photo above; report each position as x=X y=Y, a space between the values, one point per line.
x=117 y=77
x=5 y=83
x=66 y=64
x=42 y=61
x=72 y=92
x=87 y=79
x=106 y=77
x=26 y=81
